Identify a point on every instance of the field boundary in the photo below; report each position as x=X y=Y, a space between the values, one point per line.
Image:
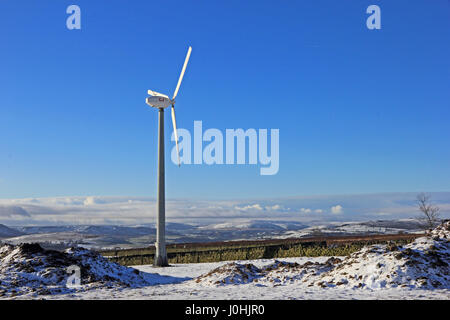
x=255 y=249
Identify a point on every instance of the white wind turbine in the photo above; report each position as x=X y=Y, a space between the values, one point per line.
x=162 y=101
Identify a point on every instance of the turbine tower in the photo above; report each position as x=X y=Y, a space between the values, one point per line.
x=162 y=101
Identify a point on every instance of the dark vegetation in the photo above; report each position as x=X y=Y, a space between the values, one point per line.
x=257 y=249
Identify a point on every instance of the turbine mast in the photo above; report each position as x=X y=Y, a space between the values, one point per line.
x=160 y=252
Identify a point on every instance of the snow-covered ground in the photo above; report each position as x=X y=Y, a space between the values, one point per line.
x=356 y=228
x=181 y=289
x=419 y=270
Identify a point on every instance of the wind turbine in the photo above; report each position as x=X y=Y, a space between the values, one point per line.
x=162 y=101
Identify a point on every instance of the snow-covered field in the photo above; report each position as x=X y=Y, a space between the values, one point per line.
x=419 y=270
x=181 y=289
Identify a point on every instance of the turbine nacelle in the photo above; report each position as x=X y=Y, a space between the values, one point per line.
x=159 y=101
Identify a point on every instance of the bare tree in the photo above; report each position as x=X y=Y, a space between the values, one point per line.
x=430 y=213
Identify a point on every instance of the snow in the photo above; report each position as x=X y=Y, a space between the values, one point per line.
x=357 y=228
x=422 y=264
x=55 y=238
x=419 y=270
x=190 y=289
x=29 y=270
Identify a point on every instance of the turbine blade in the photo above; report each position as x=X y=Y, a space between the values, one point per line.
x=182 y=72
x=174 y=122
x=154 y=93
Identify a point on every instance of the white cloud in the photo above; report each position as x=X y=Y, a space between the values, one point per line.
x=90 y=201
x=382 y=213
x=337 y=209
x=308 y=210
x=255 y=206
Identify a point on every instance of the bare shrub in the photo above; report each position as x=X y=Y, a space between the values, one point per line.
x=430 y=214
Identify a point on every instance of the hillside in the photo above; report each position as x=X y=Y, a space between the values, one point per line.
x=138 y=236
x=6 y=232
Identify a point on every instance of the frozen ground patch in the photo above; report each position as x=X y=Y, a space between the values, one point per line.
x=424 y=263
x=277 y=272
x=29 y=269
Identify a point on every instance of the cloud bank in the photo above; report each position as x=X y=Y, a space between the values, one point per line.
x=141 y=210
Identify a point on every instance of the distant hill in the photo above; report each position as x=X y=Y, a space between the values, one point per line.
x=110 y=230
x=6 y=232
x=107 y=236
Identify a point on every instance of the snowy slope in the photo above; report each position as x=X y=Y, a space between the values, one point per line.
x=424 y=263
x=357 y=228
x=29 y=269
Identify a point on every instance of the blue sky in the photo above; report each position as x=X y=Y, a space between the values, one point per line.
x=359 y=111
